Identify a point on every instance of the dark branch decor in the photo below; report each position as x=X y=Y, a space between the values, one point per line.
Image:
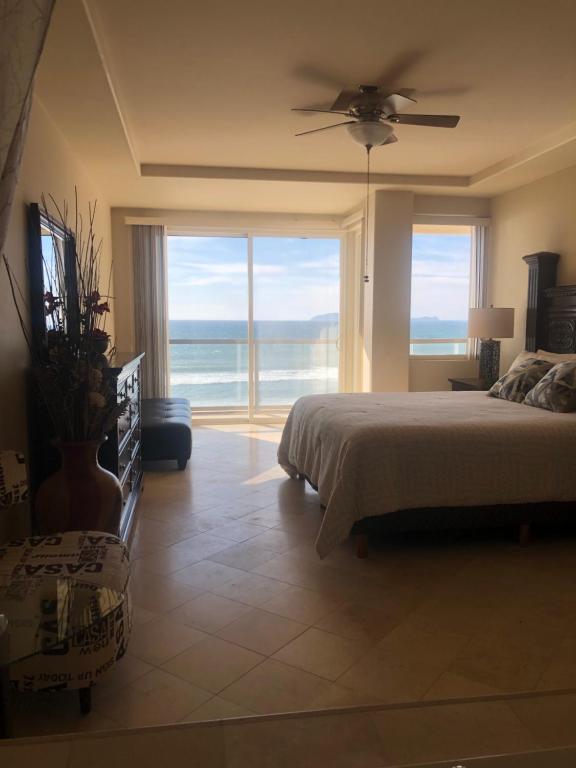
x=70 y=365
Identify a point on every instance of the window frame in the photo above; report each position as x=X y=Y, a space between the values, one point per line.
x=477 y=282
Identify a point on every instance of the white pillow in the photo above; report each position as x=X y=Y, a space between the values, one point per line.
x=554 y=357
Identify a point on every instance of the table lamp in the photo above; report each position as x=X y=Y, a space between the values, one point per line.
x=489 y=324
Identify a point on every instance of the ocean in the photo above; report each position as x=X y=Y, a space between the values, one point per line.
x=216 y=374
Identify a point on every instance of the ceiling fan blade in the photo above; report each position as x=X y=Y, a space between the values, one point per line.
x=396 y=102
x=398 y=67
x=325 y=111
x=318 y=76
x=345 y=98
x=326 y=128
x=434 y=121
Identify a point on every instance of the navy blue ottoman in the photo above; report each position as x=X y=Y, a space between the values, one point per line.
x=166 y=430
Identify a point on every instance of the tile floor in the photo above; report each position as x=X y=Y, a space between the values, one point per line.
x=236 y=615
x=539 y=727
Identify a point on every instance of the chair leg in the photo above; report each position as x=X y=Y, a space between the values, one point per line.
x=361 y=545
x=85 y=699
x=182 y=463
x=5 y=715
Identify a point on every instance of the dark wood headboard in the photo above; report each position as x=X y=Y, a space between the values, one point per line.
x=551 y=309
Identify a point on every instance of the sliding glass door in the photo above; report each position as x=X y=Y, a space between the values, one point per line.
x=296 y=318
x=208 y=320
x=253 y=320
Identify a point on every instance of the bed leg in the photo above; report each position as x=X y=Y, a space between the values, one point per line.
x=361 y=545
x=524 y=534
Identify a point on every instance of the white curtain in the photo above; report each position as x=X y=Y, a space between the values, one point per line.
x=478 y=276
x=150 y=311
x=23 y=27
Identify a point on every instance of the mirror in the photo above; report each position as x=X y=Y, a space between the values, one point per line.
x=52 y=271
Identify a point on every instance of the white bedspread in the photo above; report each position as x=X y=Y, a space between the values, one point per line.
x=369 y=454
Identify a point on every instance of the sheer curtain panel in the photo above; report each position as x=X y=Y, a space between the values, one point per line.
x=23 y=27
x=150 y=315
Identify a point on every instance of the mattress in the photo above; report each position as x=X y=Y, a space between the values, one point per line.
x=370 y=454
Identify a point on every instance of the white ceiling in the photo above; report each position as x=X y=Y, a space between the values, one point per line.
x=184 y=85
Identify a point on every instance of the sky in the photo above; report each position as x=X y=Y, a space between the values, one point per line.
x=298 y=278
x=294 y=278
x=441 y=276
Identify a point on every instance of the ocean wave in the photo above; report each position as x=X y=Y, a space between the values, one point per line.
x=233 y=377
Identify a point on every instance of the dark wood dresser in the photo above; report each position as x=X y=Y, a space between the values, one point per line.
x=121 y=453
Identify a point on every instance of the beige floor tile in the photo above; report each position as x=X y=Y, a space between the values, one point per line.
x=557 y=675
x=276 y=687
x=174 y=558
x=213 y=664
x=509 y=668
x=202 y=744
x=244 y=555
x=388 y=682
x=342 y=741
x=238 y=531
x=360 y=622
x=408 y=643
x=550 y=719
x=159 y=594
x=199 y=547
x=142 y=616
x=278 y=541
x=261 y=631
x=321 y=653
x=207 y=575
x=54 y=755
x=337 y=696
x=453 y=731
x=452 y=686
x=251 y=588
x=208 y=612
x=217 y=708
x=300 y=604
x=156 y=698
x=160 y=640
x=124 y=672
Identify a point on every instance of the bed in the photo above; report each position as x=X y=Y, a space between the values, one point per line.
x=413 y=460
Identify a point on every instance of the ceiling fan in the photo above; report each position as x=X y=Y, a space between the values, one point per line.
x=374 y=111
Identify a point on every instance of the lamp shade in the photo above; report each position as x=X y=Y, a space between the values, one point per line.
x=491 y=323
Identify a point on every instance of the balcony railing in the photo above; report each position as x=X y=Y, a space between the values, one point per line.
x=265 y=373
x=453 y=347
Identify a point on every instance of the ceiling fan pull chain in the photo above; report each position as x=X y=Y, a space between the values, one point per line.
x=366 y=232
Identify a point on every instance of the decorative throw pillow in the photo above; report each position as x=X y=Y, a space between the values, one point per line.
x=520 y=358
x=516 y=384
x=556 y=391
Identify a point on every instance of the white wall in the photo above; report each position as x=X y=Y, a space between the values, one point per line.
x=48 y=167
x=387 y=295
x=538 y=217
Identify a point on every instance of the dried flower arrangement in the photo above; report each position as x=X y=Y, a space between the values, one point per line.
x=70 y=363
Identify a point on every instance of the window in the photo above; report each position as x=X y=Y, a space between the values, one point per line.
x=253 y=320
x=443 y=268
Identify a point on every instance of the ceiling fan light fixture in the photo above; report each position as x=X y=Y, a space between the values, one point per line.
x=370 y=133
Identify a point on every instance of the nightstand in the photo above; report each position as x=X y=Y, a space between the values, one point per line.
x=479 y=385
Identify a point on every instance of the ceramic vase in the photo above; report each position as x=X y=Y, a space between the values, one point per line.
x=81 y=495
